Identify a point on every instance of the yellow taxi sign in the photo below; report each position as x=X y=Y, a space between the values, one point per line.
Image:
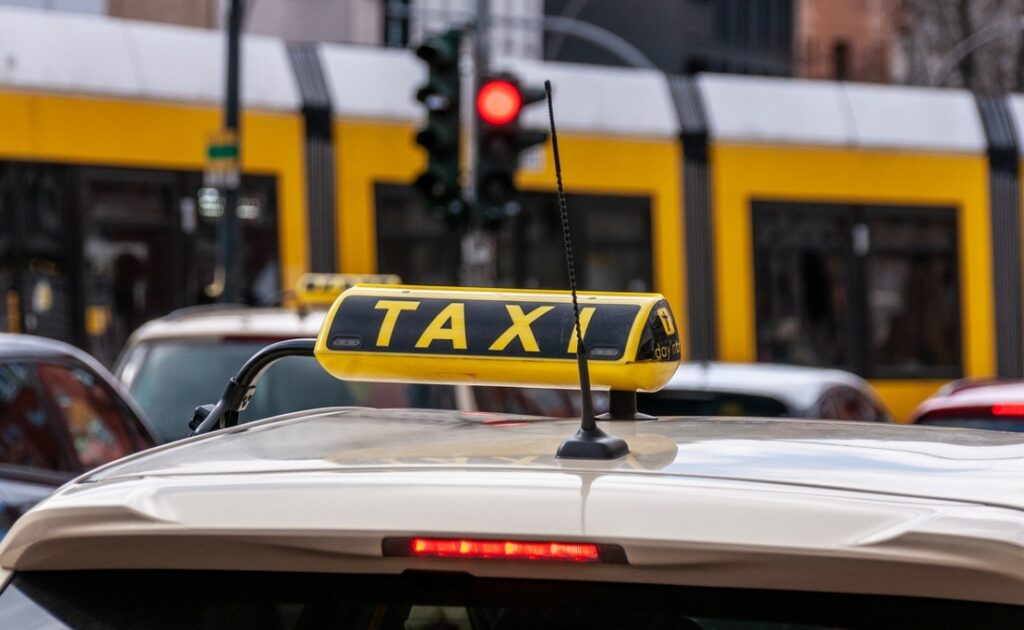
x=498 y=337
x=324 y=288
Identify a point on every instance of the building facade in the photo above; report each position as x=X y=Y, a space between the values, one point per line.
x=845 y=40
x=684 y=36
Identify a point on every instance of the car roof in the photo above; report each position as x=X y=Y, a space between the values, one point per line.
x=217 y=321
x=20 y=345
x=798 y=387
x=701 y=501
x=972 y=394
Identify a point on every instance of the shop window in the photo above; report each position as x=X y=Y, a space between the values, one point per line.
x=872 y=289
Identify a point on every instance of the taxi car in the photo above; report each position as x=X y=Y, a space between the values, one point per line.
x=171 y=363
x=975 y=403
x=712 y=388
x=415 y=519
x=61 y=413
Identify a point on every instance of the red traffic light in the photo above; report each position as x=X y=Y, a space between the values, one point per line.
x=498 y=102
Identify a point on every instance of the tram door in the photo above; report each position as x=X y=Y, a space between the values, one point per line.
x=37 y=252
x=128 y=248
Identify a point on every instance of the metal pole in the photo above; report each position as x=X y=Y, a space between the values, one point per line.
x=230 y=245
x=478 y=265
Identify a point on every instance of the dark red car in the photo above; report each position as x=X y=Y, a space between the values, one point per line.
x=988 y=404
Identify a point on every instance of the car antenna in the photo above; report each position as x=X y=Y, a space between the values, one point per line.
x=590 y=442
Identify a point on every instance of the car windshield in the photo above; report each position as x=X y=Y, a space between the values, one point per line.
x=449 y=601
x=992 y=424
x=176 y=376
x=675 y=402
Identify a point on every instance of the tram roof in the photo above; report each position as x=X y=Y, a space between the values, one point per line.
x=765 y=110
x=609 y=100
x=100 y=55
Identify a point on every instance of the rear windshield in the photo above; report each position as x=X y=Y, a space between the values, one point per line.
x=175 y=377
x=703 y=403
x=446 y=601
x=992 y=424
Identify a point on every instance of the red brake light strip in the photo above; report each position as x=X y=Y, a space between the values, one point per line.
x=1008 y=409
x=530 y=550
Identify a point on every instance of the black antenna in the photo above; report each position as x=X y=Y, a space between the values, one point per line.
x=590 y=442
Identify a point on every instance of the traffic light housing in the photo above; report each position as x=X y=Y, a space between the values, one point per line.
x=500 y=140
x=438 y=184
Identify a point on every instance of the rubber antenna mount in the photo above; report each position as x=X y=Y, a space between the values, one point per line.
x=590 y=442
x=593 y=444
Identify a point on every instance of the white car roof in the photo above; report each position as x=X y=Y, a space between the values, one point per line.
x=213 y=322
x=780 y=504
x=795 y=386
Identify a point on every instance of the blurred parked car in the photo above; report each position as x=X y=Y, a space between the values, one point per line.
x=61 y=413
x=975 y=404
x=765 y=389
x=172 y=364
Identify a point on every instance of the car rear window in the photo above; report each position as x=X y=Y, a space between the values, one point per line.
x=448 y=601
x=175 y=377
x=707 y=403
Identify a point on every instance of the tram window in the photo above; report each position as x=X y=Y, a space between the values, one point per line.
x=611 y=237
x=36 y=249
x=873 y=289
x=410 y=242
x=803 y=286
x=257 y=214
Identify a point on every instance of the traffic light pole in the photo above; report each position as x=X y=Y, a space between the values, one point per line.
x=230 y=243
x=478 y=265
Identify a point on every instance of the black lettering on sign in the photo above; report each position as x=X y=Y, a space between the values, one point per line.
x=483 y=328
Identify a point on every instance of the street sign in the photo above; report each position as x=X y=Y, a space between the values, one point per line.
x=222 y=169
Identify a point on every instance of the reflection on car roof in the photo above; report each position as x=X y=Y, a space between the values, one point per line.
x=968 y=466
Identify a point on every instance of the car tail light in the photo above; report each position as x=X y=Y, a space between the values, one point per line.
x=1008 y=409
x=477 y=549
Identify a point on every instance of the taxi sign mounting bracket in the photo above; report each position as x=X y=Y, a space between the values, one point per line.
x=242 y=386
x=590 y=442
x=622 y=406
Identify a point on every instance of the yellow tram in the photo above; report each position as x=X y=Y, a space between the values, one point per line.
x=871 y=228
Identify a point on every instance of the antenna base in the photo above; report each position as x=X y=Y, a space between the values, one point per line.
x=622 y=406
x=595 y=444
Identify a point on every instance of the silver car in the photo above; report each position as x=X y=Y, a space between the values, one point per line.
x=765 y=389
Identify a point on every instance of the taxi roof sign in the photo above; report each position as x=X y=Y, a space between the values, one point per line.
x=324 y=288
x=498 y=337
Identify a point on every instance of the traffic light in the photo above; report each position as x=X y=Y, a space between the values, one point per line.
x=439 y=183
x=500 y=140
